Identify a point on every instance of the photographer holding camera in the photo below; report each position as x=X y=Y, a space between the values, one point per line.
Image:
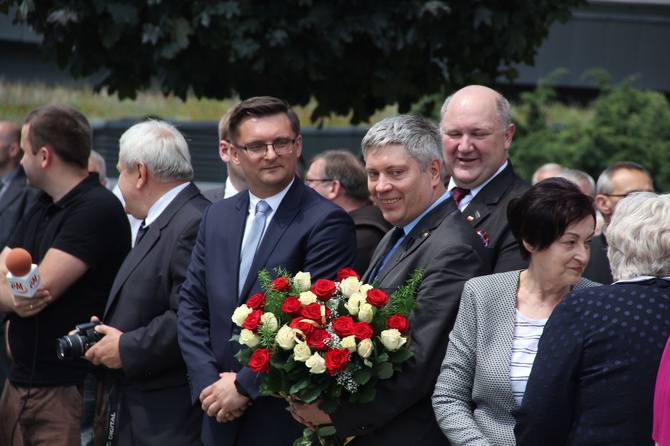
x=146 y=379
x=78 y=235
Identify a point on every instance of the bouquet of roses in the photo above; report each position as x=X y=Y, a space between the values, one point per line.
x=326 y=341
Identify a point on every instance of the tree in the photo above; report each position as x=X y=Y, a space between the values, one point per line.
x=622 y=124
x=352 y=56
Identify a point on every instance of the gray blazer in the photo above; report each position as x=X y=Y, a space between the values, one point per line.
x=473 y=398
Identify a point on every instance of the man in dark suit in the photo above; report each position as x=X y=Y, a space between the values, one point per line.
x=235 y=181
x=403 y=158
x=278 y=223
x=615 y=183
x=140 y=347
x=476 y=135
x=339 y=176
x=16 y=197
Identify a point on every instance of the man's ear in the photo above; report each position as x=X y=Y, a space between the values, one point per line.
x=604 y=205
x=142 y=175
x=15 y=150
x=335 y=189
x=224 y=151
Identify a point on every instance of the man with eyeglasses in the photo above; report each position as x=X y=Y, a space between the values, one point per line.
x=278 y=223
x=615 y=183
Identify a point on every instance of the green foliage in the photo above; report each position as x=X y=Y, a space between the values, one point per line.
x=622 y=124
x=378 y=53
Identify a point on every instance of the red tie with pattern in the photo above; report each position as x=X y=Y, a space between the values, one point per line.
x=459 y=193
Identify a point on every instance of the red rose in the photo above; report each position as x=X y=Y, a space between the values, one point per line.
x=253 y=320
x=260 y=361
x=256 y=301
x=362 y=330
x=291 y=306
x=324 y=289
x=336 y=359
x=280 y=284
x=316 y=312
x=377 y=298
x=303 y=325
x=343 y=326
x=399 y=322
x=319 y=339
x=346 y=272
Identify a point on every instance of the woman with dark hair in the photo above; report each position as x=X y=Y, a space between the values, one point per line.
x=593 y=378
x=501 y=316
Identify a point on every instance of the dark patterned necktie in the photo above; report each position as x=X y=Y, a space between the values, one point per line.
x=140 y=232
x=459 y=193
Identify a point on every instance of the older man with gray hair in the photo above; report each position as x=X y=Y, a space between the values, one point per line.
x=140 y=348
x=403 y=159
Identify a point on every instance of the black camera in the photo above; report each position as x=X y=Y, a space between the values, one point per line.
x=75 y=345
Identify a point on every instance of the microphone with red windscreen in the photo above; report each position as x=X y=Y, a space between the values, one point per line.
x=23 y=277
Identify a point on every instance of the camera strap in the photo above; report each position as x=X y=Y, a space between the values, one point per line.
x=90 y=393
x=113 y=411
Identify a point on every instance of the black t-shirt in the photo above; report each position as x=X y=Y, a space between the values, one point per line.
x=90 y=224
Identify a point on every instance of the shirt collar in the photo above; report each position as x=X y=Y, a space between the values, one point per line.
x=162 y=203
x=475 y=190
x=274 y=201
x=409 y=226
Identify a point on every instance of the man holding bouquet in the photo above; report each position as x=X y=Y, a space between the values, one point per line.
x=404 y=162
x=278 y=223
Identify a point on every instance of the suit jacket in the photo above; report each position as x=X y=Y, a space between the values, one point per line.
x=14 y=204
x=370 y=229
x=215 y=194
x=593 y=378
x=473 y=396
x=306 y=233
x=450 y=252
x=598 y=268
x=143 y=304
x=487 y=212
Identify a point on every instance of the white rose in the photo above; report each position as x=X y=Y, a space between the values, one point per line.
x=302 y=281
x=349 y=342
x=365 y=288
x=392 y=339
x=240 y=315
x=301 y=352
x=269 y=320
x=307 y=297
x=366 y=312
x=350 y=285
x=316 y=364
x=354 y=303
x=248 y=338
x=365 y=348
x=285 y=338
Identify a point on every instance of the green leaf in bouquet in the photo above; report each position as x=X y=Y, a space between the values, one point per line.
x=326 y=430
x=366 y=395
x=244 y=355
x=311 y=394
x=329 y=405
x=401 y=355
x=308 y=438
x=297 y=387
x=362 y=376
x=381 y=358
x=403 y=299
x=289 y=365
x=384 y=370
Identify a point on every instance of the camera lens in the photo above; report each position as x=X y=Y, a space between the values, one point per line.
x=69 y=347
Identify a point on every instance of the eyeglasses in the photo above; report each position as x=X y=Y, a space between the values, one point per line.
x=258 y=150
x=626 y=194
x=318 y=180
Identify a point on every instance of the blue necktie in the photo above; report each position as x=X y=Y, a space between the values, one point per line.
x=394 y=241
x=252 y=241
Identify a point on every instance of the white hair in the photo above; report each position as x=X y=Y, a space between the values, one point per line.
x=639 y=236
